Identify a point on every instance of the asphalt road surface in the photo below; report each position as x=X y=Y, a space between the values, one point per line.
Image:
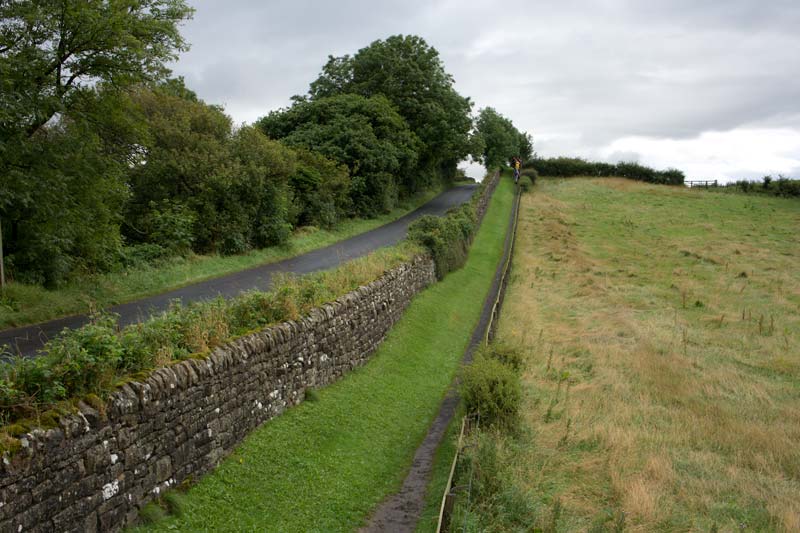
x=27 y=340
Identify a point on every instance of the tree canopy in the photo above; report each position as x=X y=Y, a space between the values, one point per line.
x=51 y=51
x=410 y=74
x=500 y=139
x=107 y=162
x=66 y=134
x=366 y=134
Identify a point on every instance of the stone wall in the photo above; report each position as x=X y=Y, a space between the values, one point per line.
x=99 y=467
x=483 y=201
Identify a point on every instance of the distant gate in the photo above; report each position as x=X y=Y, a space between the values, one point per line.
x=701 y=183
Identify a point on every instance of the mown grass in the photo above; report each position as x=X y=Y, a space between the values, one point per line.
x=22 y=304
x=664 y=389
x=324 y=465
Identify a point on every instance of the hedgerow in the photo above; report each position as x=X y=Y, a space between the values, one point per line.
x=566 y=167
x=94 y=359
x=782 y=186
x=448 y=238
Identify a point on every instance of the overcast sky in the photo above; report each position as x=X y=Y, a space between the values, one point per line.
x=709 y=87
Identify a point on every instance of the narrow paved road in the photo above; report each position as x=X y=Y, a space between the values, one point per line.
x=27 y=340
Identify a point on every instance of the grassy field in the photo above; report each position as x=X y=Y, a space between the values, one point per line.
x=663 y=389
x=325 y=465
x=27 y=304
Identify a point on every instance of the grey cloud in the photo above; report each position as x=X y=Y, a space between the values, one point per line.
x=577 y=74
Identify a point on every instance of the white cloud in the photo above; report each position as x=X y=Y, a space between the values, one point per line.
x=724 y=155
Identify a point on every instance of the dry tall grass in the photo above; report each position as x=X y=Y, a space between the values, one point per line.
x=674 y=317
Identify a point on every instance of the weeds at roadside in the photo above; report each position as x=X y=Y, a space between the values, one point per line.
x=95 y=359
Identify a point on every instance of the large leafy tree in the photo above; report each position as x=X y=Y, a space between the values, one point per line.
x=60 y=206
x=64 y=136
x=501 y=140
x=410 y=73
x=185 y=150
x=52 y=50
x=200 y=184
x=365 y=134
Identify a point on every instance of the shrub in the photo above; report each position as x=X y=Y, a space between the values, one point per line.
x=492 y=390
x=83 y=361
x=170 y=226
x=139 y=255
x=497 y=501
x=506 y=354
x=447 y=238
x=525 y=183
x=532 y=173
x=782 y=186
x=786 y=187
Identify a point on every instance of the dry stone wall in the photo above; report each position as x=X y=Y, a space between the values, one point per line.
x=100 y=466
x=482 y=203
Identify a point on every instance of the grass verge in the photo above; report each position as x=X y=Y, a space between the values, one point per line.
x=442 y=462
x=663 y=388
x=324 y=465
x=22 y=304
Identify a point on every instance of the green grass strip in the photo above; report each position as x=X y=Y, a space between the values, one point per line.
x=442 y=461
x=325 y=465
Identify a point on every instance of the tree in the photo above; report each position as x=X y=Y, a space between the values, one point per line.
x=51 y=51
x=501 y=140
x=365 y=134
x=215 y=189
x=256 y=195
x=185 y=148
x=321 y=190
x=62 y=201
x=409 y=72
x=65 y=136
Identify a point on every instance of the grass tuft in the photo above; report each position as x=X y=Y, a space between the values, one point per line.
x=174 y=502
x=152 y=514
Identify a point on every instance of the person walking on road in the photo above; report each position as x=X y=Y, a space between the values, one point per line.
x=517 y=163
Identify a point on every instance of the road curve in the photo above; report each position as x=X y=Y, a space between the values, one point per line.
x=26 y=340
